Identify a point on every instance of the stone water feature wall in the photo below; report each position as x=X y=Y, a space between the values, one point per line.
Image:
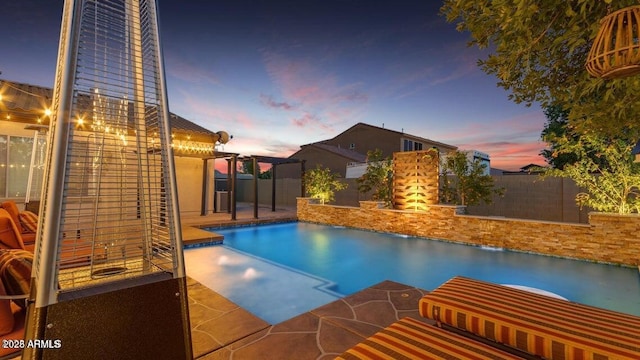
x=608 y=238
x=415 y=179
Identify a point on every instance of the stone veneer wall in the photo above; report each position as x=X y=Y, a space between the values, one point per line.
x=608 y=238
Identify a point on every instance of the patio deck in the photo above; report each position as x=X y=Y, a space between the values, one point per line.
x=220 y=329
x=192 y=224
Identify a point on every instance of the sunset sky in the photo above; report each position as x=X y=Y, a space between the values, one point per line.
x=280 y=74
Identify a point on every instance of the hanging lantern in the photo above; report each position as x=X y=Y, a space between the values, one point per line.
x=616 y=49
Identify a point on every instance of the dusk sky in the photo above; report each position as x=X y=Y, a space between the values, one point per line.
x=280 y=74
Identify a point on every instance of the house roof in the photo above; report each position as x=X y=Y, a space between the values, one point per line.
x=27 y=103
x=345 y=153
x=401 y=133
x=531 y=166
x=24 y=102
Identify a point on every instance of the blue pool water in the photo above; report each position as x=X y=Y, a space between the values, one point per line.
x=351 y=260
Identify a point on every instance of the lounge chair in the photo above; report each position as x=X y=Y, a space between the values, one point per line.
x=15 y=277
x=76 y=252
x=521 y=323
x=537 y=324
x=408 y=338
x=26 y=229
x=10 y=236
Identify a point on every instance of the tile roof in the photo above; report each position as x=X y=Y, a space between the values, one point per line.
x=180 y=123
x=25 y=97
x=346 y=153
x=414 y=137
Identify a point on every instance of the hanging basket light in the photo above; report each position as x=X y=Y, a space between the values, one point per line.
x=616 y=49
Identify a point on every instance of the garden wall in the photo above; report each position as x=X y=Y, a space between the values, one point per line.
x=608 y=238
x=526 y=197
x=529 y=197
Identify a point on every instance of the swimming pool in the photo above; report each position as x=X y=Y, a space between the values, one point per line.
x=344 y=261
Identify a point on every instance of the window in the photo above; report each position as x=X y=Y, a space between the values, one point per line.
x=3 y=165
x=352 y=146
x=15 y=159
x=409 y=145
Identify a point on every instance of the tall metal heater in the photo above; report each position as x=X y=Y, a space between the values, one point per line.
x=109 y=279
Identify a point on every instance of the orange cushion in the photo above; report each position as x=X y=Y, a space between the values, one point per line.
x=409 y=338
x=11 y=207
x=17 y=333
x=15 y=272
x=8 y=232
x=29 y=221
x=537 y=324
x=6 y=315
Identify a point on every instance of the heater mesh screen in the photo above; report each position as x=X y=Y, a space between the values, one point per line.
x=116 y=219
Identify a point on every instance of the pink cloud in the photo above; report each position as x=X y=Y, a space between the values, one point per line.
x=212 y=115
x=508 y=155
x=268 y=101
x=528 y=125
x=311 y=90
x=511 y=142
x=309 y=120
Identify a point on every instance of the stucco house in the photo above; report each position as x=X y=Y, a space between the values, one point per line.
x=351 y=147
x=24 y=119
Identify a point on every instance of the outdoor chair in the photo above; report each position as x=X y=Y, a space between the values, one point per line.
x=10 y=237
x=77 y=252
x=26 y=221
x=15 y=279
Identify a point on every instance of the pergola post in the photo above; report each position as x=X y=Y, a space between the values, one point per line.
x=255 y=187
x=205 y=187
x=234 y=165
x=273 y=187
x=302 y=173
x=229 y=186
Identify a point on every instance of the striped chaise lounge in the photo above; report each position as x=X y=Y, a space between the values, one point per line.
x=536 y=324
x=411 y=339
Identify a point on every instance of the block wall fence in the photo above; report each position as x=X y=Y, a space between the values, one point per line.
x=607 y=238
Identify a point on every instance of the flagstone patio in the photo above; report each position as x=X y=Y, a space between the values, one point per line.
x=223 y=330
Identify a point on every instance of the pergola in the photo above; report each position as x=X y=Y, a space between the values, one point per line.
x=232 y=161
x=274 y=161
x=231 y=178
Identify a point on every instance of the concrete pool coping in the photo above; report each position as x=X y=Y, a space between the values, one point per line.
x=193 y=224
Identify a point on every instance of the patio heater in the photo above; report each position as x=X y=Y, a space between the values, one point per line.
x=109 y=279
x=36 y=167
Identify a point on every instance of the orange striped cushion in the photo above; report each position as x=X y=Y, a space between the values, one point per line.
x=15 y=272
x=29 y=221
x=412 y=339
x=534 y=323
x=6 y=315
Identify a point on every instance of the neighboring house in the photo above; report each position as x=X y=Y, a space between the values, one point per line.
x=24 y=113
x=534 y=169
x=329 y=156
x=351 y=146
x=496 y=172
